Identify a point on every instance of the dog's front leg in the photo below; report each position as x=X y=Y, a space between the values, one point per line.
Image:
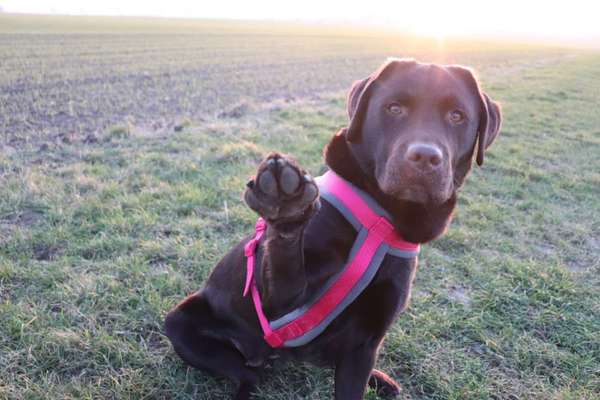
x=286 y=197
x=352 y=371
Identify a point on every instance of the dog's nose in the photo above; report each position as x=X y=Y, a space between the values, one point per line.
x=424 y=156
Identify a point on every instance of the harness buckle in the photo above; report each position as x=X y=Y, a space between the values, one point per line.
x=250 y=248
x=261 y=225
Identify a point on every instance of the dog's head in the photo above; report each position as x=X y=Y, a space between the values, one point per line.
x=415 y=127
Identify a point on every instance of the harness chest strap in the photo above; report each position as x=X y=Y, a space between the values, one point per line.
x=250 y=253
x=357 y=272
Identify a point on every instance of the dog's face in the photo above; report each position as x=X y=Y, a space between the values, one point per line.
x=414 y=128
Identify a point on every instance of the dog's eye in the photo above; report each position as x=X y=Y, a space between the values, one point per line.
x=396 y=109
x=456 y=116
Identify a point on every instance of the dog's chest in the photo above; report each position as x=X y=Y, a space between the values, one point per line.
x=344 y=246
x=368 y=318
x=328 y=241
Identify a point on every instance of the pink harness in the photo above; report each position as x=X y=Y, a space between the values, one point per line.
x=376 y=238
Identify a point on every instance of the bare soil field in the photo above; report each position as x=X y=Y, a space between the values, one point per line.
x=67 y=79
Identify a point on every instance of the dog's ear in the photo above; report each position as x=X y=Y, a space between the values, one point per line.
x=360 y=93
x=490 y=117
x=354 y=94
x=357 y=107
x=489 y=126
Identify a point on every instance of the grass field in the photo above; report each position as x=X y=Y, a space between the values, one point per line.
x=100 y=236
x=64 y=78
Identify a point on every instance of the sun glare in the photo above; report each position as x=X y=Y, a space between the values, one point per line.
x=448 y=19
x=432 y=18
x=441 y=20
x=436 y=31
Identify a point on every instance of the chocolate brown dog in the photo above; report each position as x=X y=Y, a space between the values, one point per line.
x=414 y=130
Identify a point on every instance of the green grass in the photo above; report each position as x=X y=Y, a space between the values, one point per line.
x=99 y=240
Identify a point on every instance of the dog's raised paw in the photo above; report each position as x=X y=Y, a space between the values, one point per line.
x=281 y=190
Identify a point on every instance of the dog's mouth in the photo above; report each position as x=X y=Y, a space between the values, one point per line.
x=420 y=194
x=432 y=189
x=415 y=194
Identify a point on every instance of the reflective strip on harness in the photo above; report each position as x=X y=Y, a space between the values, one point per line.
x=375 y=239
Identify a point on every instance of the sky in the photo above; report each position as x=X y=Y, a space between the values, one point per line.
x=570 y=20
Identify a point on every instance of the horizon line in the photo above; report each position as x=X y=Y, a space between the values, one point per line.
x=368 y=24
